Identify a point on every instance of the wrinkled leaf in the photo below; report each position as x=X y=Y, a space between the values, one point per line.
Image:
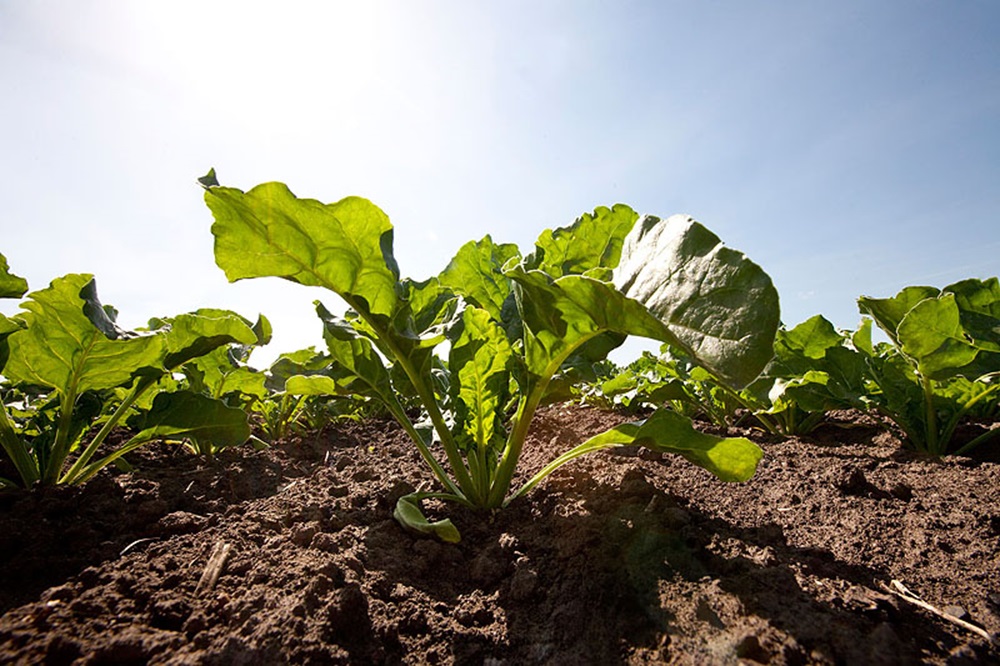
x=479 y=361
x=476 y=272
x=594 y=241
x=344 y=246
x=62 y=349
x=719 y=304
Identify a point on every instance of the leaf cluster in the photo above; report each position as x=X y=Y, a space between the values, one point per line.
x=74 y=375
x=942 y=361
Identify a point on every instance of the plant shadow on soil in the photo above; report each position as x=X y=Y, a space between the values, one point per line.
x=625 y=557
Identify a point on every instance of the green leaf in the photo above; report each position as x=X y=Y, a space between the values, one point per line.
x=476 y=272
x=362 y=371
x=480 y=383
x=729 y=458
x=719 y=304
x=811 y=339
x=409 y=514
x=344 y=246
x=217 y=374
x=666 y=431
x=302 y=362
x=931 y=333
x=209 y=179
x=979 y=307
x=561 y=315
x=594 y=241
x=62 y=349
x=210 y=424
x=7 y=327
x=980 y=296
x=11 y=286
x=889 y=312
x=189 y=415
x=862 y=338
x=313 y=385
x=198 y=333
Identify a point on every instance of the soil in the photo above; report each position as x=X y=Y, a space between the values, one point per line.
x=621 y=557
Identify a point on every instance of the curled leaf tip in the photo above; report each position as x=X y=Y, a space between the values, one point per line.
x=209 y=179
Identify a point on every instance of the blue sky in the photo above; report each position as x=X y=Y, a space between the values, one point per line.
x=849 y=148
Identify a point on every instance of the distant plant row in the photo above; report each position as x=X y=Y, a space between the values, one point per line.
x=464 y=359
x=939 y=370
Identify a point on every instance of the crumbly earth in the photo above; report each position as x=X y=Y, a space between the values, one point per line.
x=621 y=557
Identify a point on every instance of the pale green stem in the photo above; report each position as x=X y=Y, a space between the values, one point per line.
x=142 y=385
x=60 y=448
x=426 y=396
x=15 y=448
x=931 y=415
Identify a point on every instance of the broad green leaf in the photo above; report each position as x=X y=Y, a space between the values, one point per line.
x=476 y=272
x=594 y=241
x=729 y=458
x=312 y=385
x=979 y=306
x=180 y=415
x=7 y=327
x=62 y=349
x=811 y=339
x=189 y=415
x=889 y=312
x=196 y=334
x=479 y=360
x=302 y=362
x=344 y=246
x=981 y=296
x=862 y=338
x=217 y=374
x=364 y=373
x=719 y=304
x=11 y=286
x=563 y=314
x=931 y=333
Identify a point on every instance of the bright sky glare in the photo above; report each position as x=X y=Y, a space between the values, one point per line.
x=849 y=148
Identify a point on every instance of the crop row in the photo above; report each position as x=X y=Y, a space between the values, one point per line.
x=463 y=360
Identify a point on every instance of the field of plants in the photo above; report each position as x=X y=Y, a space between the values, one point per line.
x=462 y=476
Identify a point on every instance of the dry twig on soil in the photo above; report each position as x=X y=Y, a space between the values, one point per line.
x=903 y=592
x=216 y=562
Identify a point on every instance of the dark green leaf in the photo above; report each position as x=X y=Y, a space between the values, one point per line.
x=719 y=304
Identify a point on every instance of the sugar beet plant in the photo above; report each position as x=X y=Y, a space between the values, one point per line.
x=513 y=323
x=942 y=363
x=72 y=371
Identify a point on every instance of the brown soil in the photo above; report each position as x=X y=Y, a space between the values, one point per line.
x=622 y=557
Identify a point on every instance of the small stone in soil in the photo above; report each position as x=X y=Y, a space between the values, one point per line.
x=956 y=612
